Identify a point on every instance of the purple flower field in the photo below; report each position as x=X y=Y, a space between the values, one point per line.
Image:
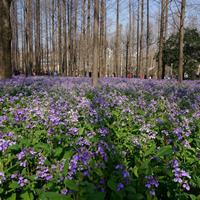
x=60 y=138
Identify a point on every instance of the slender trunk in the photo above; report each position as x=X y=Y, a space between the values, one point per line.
x=65 y=37
x=60 y=39
x=138 y=35
x=88 y=37
x=161 y=41
x=117 y=55
x=181 y=41
x=47 y=38
x=76 y=69
x=37 y=40
x=83 y=38
x=5 y=40
x=148 y=32
x=102 y=40
x=165 y=34
x=95 y=44
x=141 y=71
x=129 y=37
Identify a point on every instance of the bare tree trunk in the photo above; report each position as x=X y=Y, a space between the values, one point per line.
x=76 y=69
x=65 y=37
x=102 y=40
x=53 y=35
x=141 y=39
x=37 y=39
x=147 y=50
x=5 y=40
x=129 y=37
x=29 y=37
x=60 y=39
x=138 y=35
x=95 y=44
x=165 y=33
x=88 y=37
x=14 y=45
x=117 y=55
x=161 y=41
x=47 y=37
x=83 y=38
x=181 y=41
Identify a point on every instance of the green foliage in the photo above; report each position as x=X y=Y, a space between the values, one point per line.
x=191 y=51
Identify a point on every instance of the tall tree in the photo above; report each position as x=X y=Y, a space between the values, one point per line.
x=5 y=40
x=37 y=39
x=181 y=41
x=83 y=37
x=138 y=35
x=165 y=33
x=14 y=45
x=47 y=37
x=60 y=38
x=117 y=40
x=148 y=34
x=29 y=37
x=141 y=39
x=102 y=62
x=88 y=36
x=65 y=68
x=161 y=41
x=95 y=44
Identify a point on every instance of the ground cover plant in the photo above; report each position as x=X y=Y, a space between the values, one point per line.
x=60 y=138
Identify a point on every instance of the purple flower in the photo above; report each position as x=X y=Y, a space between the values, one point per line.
x=103 y=131
x=22 y=181
x=23 y=164
x=73 y=165
x=186 y=186
x=152 y=192
x=151 y=182
x=125 y=174
x=43 y=173
x=120 y=186
x=64 y=191
x=21 y=155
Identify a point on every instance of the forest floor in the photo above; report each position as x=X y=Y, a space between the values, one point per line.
x=60 y=138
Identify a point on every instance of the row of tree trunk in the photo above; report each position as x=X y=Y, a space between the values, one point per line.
x=54 y=42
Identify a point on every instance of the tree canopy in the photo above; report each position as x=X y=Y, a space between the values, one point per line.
x=191 y=51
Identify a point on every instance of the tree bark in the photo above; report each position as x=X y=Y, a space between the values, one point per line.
x=117 y=55
x=5 y=39
x=161 y=41
x=148 y=33
x=102 y=40
x=181 y=41
x=141 y=39
x=95 y=44
x=138 y=35
x=37 y=40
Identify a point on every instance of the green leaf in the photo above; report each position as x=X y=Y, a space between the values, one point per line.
x=27 y=196
x=164 y=151
x=12 y=197
x=152 y=149
x=53 y=196
x=13 y=185
x=193 y=197
x=58 y=151
x=135 y=171
x=71 y=185
x=111 y=184
x=97 y=196
x=139 y=197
